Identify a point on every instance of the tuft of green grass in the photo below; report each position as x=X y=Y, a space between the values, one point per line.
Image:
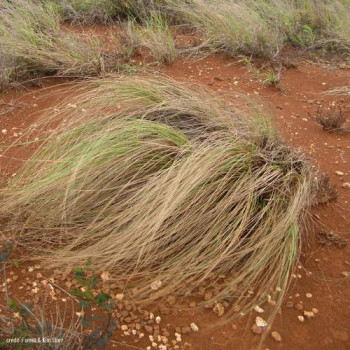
x=154 y=35
x=160 y=182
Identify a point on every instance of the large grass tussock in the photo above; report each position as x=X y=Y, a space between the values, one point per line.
x=32 y=43
x=263 y=28
x=157 y=182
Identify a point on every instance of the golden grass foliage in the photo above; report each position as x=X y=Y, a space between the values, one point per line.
x=32 y=43
x=264 y=27
x=158 y=182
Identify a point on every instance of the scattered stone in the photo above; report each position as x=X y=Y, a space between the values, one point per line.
x=308 y=295
x=272 y=302
x=185 y=330
x=194 y=327
x=124 y=327
x=219 y=309
x=156 y=285
x=178 y=337
x=314 y=310
x=105 y=276
x=301 y=318
x=149 y=329
x=276 y=336
x=260 y=322
x=346 y=185
x=119 y=296
x=345 y=274
x=309 y=314
x=290 y=304
x=299 y=306
x=339 y=173
x=158 y=319
x=258 y=309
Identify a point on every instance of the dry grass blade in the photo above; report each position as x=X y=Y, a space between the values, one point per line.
x=344 y=90
x=157 y=182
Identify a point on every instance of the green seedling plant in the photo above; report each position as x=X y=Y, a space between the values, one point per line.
x=101 y=335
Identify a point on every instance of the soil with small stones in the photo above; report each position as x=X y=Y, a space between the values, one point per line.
x=320 y=288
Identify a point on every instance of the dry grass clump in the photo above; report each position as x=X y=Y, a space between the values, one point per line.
x=155 y=35
x=326 y=191
x=163 y=186
x=263 y=28
x=331 y=119
x=106 y=11
x=88 y=11
x=32 y=43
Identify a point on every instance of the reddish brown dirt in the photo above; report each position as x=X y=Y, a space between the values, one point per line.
x=320 y=268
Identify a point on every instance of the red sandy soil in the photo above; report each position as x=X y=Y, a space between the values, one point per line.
x=321 y=266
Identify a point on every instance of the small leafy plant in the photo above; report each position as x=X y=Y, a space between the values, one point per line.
x=272 y=77
x=100 y=336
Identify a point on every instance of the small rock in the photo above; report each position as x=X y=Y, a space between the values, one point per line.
x=255 y=329
x=158 y=319
x=309 y=314
x=314 y=310
x=178 y=337
x=119 y=296
x=219 y=309
x=105 y=276
x=299 y=306
x=346 y=185
x=308 y=295
x=275 y=335
x=149 y=329
x=156 y=285
x=185 y=330
x=194 y=327
x=289 y=304
x=301 y=318
x=339 y=173
x=272 y=302
x=171 y=300
x=258 y=309
x=260 y=322
x=345 y=274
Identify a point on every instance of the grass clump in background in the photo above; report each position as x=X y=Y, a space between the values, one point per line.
x=163 y=185
x=263 y=28
x=154 y=35
x=33 y=44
